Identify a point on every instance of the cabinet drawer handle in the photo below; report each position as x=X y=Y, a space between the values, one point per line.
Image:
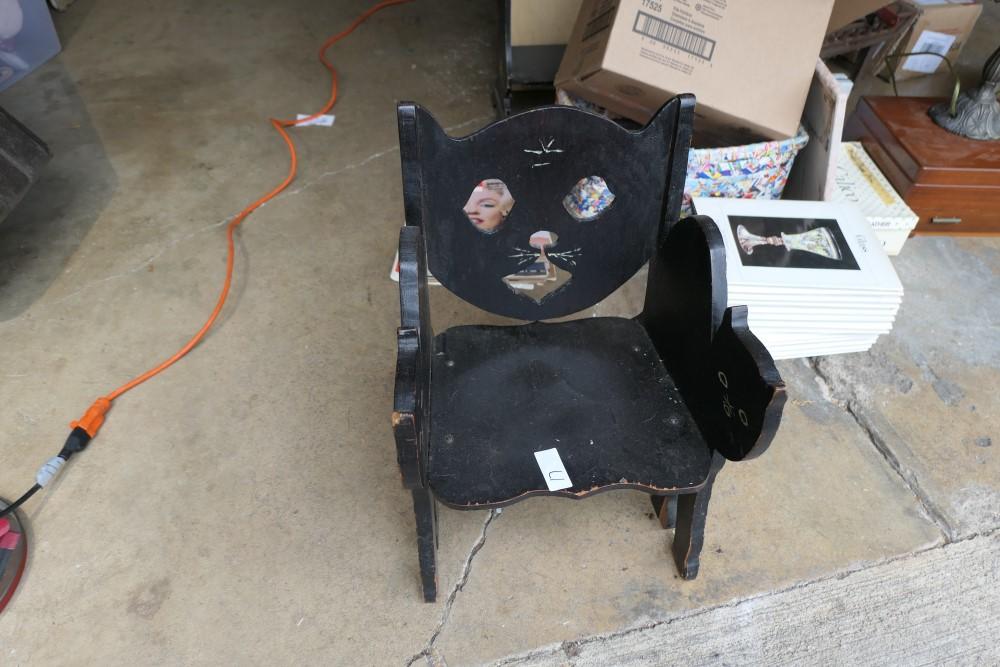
x=945 y=221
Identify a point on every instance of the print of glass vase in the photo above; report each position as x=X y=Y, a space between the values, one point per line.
x=818 y=241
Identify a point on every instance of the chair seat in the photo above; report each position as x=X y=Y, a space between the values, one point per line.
x=594 y=389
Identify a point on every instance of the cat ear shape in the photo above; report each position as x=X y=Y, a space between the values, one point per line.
x=678 y=109
x=673 y=125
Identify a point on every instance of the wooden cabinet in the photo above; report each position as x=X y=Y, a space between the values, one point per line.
x=951 y=182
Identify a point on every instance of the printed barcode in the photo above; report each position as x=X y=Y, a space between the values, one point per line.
x=673 y=35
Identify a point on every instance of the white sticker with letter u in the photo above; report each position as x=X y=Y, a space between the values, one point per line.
x=553 y=470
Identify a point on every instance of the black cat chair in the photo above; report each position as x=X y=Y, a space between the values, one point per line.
x=535 y=217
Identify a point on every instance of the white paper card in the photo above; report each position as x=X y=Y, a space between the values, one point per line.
x=324 y=121
x=935 y=42
x=553 y=469
x=859 y=265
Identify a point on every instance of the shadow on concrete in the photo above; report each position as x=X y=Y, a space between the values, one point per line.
x=40 y=236
x=69 y=21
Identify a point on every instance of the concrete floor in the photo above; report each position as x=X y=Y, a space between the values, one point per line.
x=245 y=507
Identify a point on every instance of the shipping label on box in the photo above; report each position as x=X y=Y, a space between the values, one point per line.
x=744 y=65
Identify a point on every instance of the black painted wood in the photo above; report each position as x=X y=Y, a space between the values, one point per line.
x=406 y=418
x=410 y=415
x=745 y=395
x=412 y=166
x=726 y=376
x=594 y=389
x=677 y=165
x=689 y=533
x=686 y=297
x=540 y=155
x=655 y=404
x=425 y=511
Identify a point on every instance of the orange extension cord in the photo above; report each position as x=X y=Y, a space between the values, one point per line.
x=93 y=419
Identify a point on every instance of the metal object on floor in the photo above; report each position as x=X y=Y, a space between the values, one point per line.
x=13 y=553
x=977 y=112
x=22 y=156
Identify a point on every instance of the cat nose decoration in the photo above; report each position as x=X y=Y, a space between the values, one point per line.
x=538 y=277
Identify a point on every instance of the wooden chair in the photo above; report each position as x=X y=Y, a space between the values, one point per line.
x=655 y=403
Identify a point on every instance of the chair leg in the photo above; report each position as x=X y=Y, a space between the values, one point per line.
x=689 y=533
x=665 y=508
x=426 y=512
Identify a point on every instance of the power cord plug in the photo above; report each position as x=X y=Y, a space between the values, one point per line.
x=83 y=432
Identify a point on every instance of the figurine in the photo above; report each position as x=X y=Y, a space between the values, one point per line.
x=977 y=114
x=818 y=241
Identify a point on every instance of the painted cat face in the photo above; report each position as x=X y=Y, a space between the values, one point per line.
x=542 y=214
x=542 y=270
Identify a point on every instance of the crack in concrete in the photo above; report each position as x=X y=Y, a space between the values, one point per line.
x=201 y=230
x=572 y=647
x=937 y=516
x=143 y=264
x=171 y=243
x=428 y=651
x=883 y=447
x=373 y=156
x=328 y=174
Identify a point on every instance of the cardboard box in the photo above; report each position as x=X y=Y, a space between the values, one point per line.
x=943 y=27
x=748 y=63
x=815 y=167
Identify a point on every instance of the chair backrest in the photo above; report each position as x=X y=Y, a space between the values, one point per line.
x=547 y=212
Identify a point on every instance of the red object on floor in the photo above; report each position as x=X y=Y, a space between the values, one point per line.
x=10 y=541
x=13 y=556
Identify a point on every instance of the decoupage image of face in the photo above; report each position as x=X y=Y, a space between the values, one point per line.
x=489 y=205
